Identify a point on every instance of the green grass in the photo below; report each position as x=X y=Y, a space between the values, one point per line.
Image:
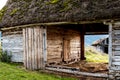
x=93 y=55
x=14 y=72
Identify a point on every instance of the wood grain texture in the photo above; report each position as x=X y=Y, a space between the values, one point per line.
x=62 y=44
x=33 y=48
x=13 y=42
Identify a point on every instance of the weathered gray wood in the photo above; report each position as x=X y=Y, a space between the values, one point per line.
x=45 y=46
x=116 y=48
x=116 y=31
x=33 y=50
x=115 y=57
x=116 y=68
x=116 y=53
x=35 y=53
x=13 y=42
x=78 y=72
x=24 y=46
x=116 y=60
x=27 y=49
x=110 y=45
x=116 y=63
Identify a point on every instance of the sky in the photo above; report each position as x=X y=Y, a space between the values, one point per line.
x=2 y=3
x=89 y=39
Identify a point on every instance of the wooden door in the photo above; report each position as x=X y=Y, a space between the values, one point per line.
x=66 y=50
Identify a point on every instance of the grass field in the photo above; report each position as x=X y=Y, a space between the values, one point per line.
x=92 y=55
x=14 y=72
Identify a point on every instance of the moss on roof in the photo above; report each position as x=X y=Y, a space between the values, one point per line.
x=20 y=12
x=2 y=11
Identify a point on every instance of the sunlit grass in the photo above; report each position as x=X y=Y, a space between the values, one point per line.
x=14 y=72
x=94 y=56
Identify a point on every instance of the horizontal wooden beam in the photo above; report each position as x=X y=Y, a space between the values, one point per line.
x=52 y=23
x=100 y=75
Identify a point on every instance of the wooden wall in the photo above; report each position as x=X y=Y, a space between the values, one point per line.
x=62 y=44
x=34 y=47
x=13 y=42
x=57 y=44
x=114 y=51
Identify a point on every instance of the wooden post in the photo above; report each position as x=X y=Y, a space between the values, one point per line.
x=82 y=46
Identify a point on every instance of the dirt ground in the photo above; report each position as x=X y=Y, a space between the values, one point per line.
x=90 y=66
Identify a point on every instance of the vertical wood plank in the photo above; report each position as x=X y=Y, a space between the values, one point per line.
x=39 y=54
x=27 y=50
x=29 y=47
x=24 y=46
x=110 y=45
x=35 y=54
x=41 y=47
x=45 y=45
x=66 y=49
x=33 y=48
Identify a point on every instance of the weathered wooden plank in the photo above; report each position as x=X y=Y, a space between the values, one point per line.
x=13 y=43
x=27 y=49
x=116 y=68
x=45 y=45
x=32 y=49
x=115 y=57
x=78 y=72
x=116 y=31
x=116 y=48
x=39 y=48
x=42 y=47
x=35 y=54
x=110 y=44
x=116 y=53
x=24 y=46
x=116 y=43
x=116 y=60
x=116 y=63
x=66 y=49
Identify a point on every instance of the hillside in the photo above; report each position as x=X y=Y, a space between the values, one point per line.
x=16 y=72
x=92 y=55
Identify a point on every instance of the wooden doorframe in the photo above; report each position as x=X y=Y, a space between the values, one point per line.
x=82 y=43
x=66 y=51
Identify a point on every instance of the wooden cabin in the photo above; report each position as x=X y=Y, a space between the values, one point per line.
x=101 y=45
x=38 y=32
x=62 y=44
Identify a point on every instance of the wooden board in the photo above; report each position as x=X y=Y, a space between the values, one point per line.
x=62 y=43
x=66 y=50
x=33 y=48
x=13 y=42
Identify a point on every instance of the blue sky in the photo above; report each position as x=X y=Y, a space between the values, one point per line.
x=89 y=39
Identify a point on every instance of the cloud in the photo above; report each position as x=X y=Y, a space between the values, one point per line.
x=2 y=3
